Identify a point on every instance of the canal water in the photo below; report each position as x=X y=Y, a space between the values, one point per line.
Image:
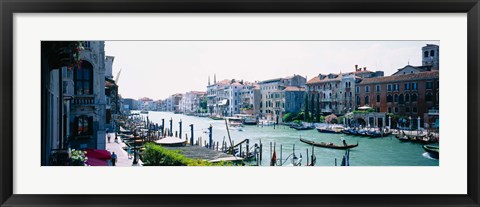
x=387 y=151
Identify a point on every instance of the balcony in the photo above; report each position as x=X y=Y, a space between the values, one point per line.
x=83 y=100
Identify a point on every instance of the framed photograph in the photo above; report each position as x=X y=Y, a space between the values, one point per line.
x=200 y=103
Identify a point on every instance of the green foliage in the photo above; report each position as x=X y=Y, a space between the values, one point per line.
x=78 y=157
x=155 y=155
x=341 y=119
x=363 y=111
x=288 y=117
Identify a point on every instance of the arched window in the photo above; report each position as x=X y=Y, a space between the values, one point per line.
x=378 y=98
x=395 y=98
x=389 y=98
x=400 y=99
x=414 y=97
x=425 y=54
x=407 y=98
x=367 y=101
x=428 y=97
x=84 y=79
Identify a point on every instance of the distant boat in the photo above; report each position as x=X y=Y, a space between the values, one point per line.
x=303 y=127
x=216 y=117
x=330 y=129
x=144 y=112
x=433 y=151
x=328 y=145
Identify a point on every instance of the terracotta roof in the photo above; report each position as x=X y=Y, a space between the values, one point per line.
x=198 y=92
x=317 y=79
x=399 y=78
x=294 y=88
x=363 y=71
x=223 y=82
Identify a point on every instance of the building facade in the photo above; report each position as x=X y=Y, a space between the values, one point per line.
x=410 y=95
x=272 y=105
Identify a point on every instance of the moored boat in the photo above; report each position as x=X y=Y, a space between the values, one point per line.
x=328 y=145
x=433 y=151
x=303 y=127
x=331 y=129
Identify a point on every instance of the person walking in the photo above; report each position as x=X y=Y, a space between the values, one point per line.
x=114 y=158
x=129 y=153
x=109 y=137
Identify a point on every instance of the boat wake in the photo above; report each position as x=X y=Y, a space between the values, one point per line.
x=426 y=155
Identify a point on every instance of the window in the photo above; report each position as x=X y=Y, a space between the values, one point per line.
x=395 y=98
x=429 y=85
x=378 y=98
x=389 y=110
x=414 y=86
x=367 y=100
x=407 y=98
x=389 y=98
x=425 y=54
x=407 y=86
x=414 y=97
x=83 y=125
x=378 y=88
x=414 y=109
x=357 y=89
x=84 y=79
x=407 y=110
x=395 y=87
x=429 y=97
x=396 y=109
x=367 y=89
x=389 y=87
x=400 y=99
x=432 y=53
x=358 y=100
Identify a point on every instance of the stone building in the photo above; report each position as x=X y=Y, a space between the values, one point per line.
x=410 y=95
x=272 y=105
x=73 y=96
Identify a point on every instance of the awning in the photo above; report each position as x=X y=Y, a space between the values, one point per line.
x=223 y=102
x=364 y=107
x=97 y=157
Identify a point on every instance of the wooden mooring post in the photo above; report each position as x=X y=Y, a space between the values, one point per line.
x=261 y=151
x=281 y=155
x=248 y=148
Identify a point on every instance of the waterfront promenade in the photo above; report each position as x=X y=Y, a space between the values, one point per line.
x=122 y=155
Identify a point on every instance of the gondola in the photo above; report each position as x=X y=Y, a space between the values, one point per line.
x=328 y=145
x=402 y=138
x=433 y=151
x=303 y=127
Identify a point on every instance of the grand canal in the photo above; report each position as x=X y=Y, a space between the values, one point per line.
x=386 y=151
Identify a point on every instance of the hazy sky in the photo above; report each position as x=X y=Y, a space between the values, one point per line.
x=157 y=69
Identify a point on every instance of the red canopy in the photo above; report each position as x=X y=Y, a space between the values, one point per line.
x=97 y=157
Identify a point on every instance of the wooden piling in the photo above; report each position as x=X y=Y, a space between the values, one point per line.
x=261 y=150
x=307 y=156
x=248 y=148
x=281 y=155
x=240 y=152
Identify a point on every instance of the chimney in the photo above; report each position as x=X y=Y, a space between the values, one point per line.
x=356 y=67
x=364 y=68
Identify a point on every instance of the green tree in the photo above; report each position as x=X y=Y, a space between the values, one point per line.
x=318 y=108
x=306 y=108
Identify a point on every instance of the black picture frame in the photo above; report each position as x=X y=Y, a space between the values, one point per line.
x=10 y=7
